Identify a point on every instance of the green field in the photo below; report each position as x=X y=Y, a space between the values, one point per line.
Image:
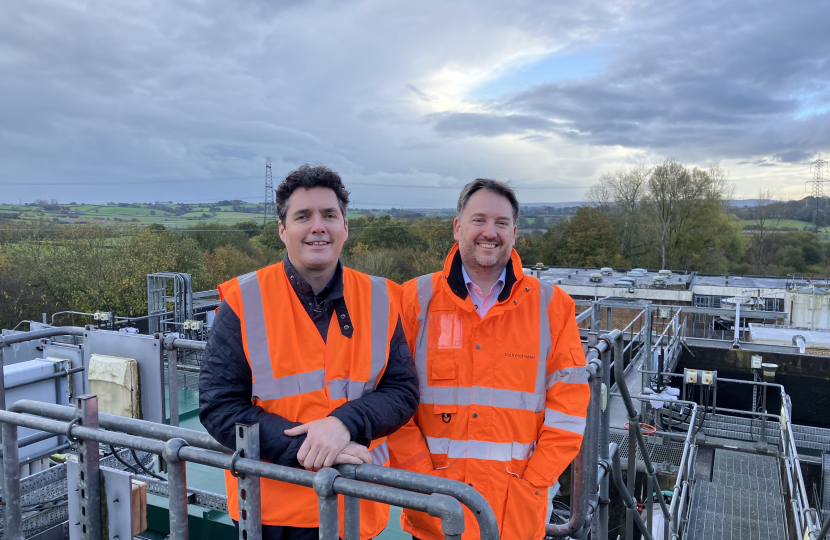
x=144 y=214
x=789 y=224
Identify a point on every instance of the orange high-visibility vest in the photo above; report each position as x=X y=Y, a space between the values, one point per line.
x=503 y=398
x=302 y=378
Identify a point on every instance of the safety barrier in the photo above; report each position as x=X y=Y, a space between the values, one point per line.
x=591 y=469
x=86 y=429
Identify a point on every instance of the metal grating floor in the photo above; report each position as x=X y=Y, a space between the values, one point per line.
x=750 y=430
x=659 y=451
x=825 y=489
x=743 y=501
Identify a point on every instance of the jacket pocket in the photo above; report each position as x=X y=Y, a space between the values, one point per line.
x=524 y=511
x=443 y=372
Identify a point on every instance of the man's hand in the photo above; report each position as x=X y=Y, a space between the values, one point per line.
x=354 y=453
x=326 y=438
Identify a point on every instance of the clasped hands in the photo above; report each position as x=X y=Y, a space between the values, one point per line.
x=328 y=443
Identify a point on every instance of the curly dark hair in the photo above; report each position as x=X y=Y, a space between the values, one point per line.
x=310 y=177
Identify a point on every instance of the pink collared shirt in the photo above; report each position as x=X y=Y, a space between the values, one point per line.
x=481 y=302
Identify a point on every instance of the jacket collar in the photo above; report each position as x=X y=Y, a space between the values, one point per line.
x=455 y=278
x=332 y=291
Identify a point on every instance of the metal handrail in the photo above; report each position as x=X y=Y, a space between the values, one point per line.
x=583 y=467
x=634 y=431
x=150 y=437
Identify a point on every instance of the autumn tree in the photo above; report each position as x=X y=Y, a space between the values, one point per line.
x=589 y=239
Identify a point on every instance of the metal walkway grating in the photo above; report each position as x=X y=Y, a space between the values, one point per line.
x=660 y=452
x=825 y=489
x=743 y=501
x=750 y=430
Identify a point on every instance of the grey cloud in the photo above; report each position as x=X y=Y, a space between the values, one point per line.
x=704 y=80
x=488 y=125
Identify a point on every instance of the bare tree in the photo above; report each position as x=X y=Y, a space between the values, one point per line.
x=762 y=230
x=619 y=195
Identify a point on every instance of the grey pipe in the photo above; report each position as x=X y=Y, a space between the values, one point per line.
x=132 y=426
x=469 y=497
x=632 y=417
x=584 y=481
x=13 y=512
x=63 y=373
x=447 y=508
x=628 y=500
x=11 y=339
x=176 y=489
x=604 y=450
x=823 y=532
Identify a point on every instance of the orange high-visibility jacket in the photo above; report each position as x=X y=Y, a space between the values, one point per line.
x=302 y=378
x=503 y=398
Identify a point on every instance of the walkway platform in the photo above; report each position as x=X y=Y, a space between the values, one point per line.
x=744 y=500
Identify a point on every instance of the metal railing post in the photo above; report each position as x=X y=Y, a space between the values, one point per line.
x=329 y=517
x=89 y=475
x=628 y=501
x=248 y=486
x=176 y=489
x=351 y=510
x=595 y=316
x=173 y=385
x=13 y=514
x=604 y=441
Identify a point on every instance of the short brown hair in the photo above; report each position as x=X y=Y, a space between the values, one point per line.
x=494 y=186
x=311 y=177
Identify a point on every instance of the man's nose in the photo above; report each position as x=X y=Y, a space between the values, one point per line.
x=489 y=230
x=317 y=223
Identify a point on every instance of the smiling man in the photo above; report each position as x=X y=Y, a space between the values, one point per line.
x=504 y=391
x=315 y=353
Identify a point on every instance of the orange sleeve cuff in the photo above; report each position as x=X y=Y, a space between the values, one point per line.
x=535 y=478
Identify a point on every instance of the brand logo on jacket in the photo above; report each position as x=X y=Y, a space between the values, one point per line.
x=529 y=356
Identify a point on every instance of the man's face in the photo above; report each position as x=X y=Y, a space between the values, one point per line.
x=485 y=230
x=315 y=229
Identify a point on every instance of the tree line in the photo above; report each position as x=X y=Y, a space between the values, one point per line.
x=663 y=216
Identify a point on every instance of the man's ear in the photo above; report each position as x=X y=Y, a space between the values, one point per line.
x=282 y=231
x=346 y=224
x=456 y=229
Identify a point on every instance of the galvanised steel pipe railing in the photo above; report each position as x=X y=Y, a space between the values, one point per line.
x=635 y=432
x=584 y=466
x=176 y=451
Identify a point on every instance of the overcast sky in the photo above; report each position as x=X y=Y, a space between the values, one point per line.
x=157 y=100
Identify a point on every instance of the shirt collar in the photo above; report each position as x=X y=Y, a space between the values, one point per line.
x=468 y=281
x=333 y=290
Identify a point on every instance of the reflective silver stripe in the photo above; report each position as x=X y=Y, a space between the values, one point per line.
x=480 y=449
x=380 y=333
x=380 y=454
x=290 y=385
x=255 y=333
x=572 y=375
x=345 y=388
x=479 y=395
x=545 y=296
x=424 y=286
x=565 y=422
